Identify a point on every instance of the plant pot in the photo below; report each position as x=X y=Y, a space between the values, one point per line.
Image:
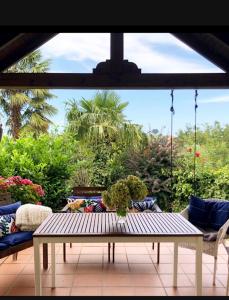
x=5 y=198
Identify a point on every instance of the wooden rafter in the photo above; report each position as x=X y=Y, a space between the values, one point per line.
x=14 y=47
x=106 y=81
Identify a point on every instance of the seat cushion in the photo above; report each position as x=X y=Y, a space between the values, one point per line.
x=197 y=212
x=10 y=208
x=17 y=238
x=147 y=203
x=3 y=246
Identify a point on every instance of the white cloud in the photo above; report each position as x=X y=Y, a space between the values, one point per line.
x=217 y=99
x=141 y=48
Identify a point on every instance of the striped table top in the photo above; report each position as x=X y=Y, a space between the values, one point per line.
x=104 y=224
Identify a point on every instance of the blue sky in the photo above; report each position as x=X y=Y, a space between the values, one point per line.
x=153 y=53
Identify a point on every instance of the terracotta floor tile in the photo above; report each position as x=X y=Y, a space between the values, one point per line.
x=112 y=279
x=171 y=291
x=182 y=280
x=91 y=259
x=29 y=269
x=186 y=259
x=88 y=280
x=149 y=291
x=207 y=280
x=222 y=278
x=24 y=281
x=3 y=291
x=142 y=268
x=61 y=280
x=92 y=250
x=11 y=268
x=167 y=268
x=116 y=268
x=164 y=258
x=89 y=291
x=120 y=258
x=21 y=291
x=136 y=250
x=89 y=268
x=120 y=250
x=117 y=291
x=214 y=291
x=56 y=291
x=7 y=280
x=150 y=280
x=191 y=268
x=64 y=269
x=70 y=258
x=187 y=291
x=20 y=259
x=139 y=259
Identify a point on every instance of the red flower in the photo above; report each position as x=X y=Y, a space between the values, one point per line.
x=89 y=208
x=26 y=182
x=189 y=149
x=197 y=154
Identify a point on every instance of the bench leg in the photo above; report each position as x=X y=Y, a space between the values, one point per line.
x=70 y=245
x=153 y=246
x=113 y=252
x=158 y=253
x=109 y=252
x=45 y=256
x=64 y=252
x=15 y=256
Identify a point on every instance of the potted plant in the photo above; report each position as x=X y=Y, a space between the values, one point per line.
x=121 y=194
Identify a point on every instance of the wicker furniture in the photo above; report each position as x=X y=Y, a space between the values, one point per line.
x=209 y=247
x=14 y=249
x=103 y=228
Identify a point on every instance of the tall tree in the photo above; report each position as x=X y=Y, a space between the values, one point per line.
x=27 y=110
x=101 y=119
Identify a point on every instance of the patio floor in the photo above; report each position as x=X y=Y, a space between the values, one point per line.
x=135 y=272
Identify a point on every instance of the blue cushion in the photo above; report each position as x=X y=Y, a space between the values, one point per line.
x=218 y=213
x=3 y=246
x=197 y=212
x=17 y=238
x=10 y=208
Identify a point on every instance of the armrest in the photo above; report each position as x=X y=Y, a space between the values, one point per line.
x=222 y=232
x=184 y=213
x=65 y=209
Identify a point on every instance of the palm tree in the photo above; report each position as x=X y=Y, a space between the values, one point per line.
x=27 y=110
x=101 y=119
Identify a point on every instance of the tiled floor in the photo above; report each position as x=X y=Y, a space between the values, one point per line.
x=135 y=272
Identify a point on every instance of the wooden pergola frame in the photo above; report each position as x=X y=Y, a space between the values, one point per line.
x=116 y=72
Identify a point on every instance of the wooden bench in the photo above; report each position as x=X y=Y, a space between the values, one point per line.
x=13 y=250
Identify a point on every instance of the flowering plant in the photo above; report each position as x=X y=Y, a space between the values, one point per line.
x=21 y=189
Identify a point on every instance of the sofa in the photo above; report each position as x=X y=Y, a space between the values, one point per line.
x=16 y=241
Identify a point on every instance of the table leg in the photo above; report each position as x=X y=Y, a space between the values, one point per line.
x=53 y=265
x=175 y=262
x=37 y=267
x=199 y=249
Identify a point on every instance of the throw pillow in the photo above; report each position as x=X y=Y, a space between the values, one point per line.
x=7 y=224
x=218 y=213
x=197 y=212
x=147 y=203
x=10 y=208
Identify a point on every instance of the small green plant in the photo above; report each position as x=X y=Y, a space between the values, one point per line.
x=120 y=194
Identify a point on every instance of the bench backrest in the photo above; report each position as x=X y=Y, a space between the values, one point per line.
x=88 y=191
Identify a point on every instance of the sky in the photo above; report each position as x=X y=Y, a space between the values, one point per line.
x=153 y=53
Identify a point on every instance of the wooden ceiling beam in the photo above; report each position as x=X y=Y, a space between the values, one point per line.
x=19 y=46
x=208 y=45
x=126 y=81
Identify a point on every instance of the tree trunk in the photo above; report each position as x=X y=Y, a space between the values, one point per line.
x=15 y=121
x=1 y=132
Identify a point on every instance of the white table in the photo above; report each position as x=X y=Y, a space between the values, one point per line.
x=103 y=228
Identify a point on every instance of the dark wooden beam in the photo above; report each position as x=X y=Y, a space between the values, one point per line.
x=209 y=46
x=127 y=81
x=19 y=46
x=116 y=46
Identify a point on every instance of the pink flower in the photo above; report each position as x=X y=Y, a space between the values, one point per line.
x=15 y=179
x=39 y=203
x=38 y=190
x=26 y=182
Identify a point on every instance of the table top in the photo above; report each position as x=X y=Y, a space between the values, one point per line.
x=105 y=224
